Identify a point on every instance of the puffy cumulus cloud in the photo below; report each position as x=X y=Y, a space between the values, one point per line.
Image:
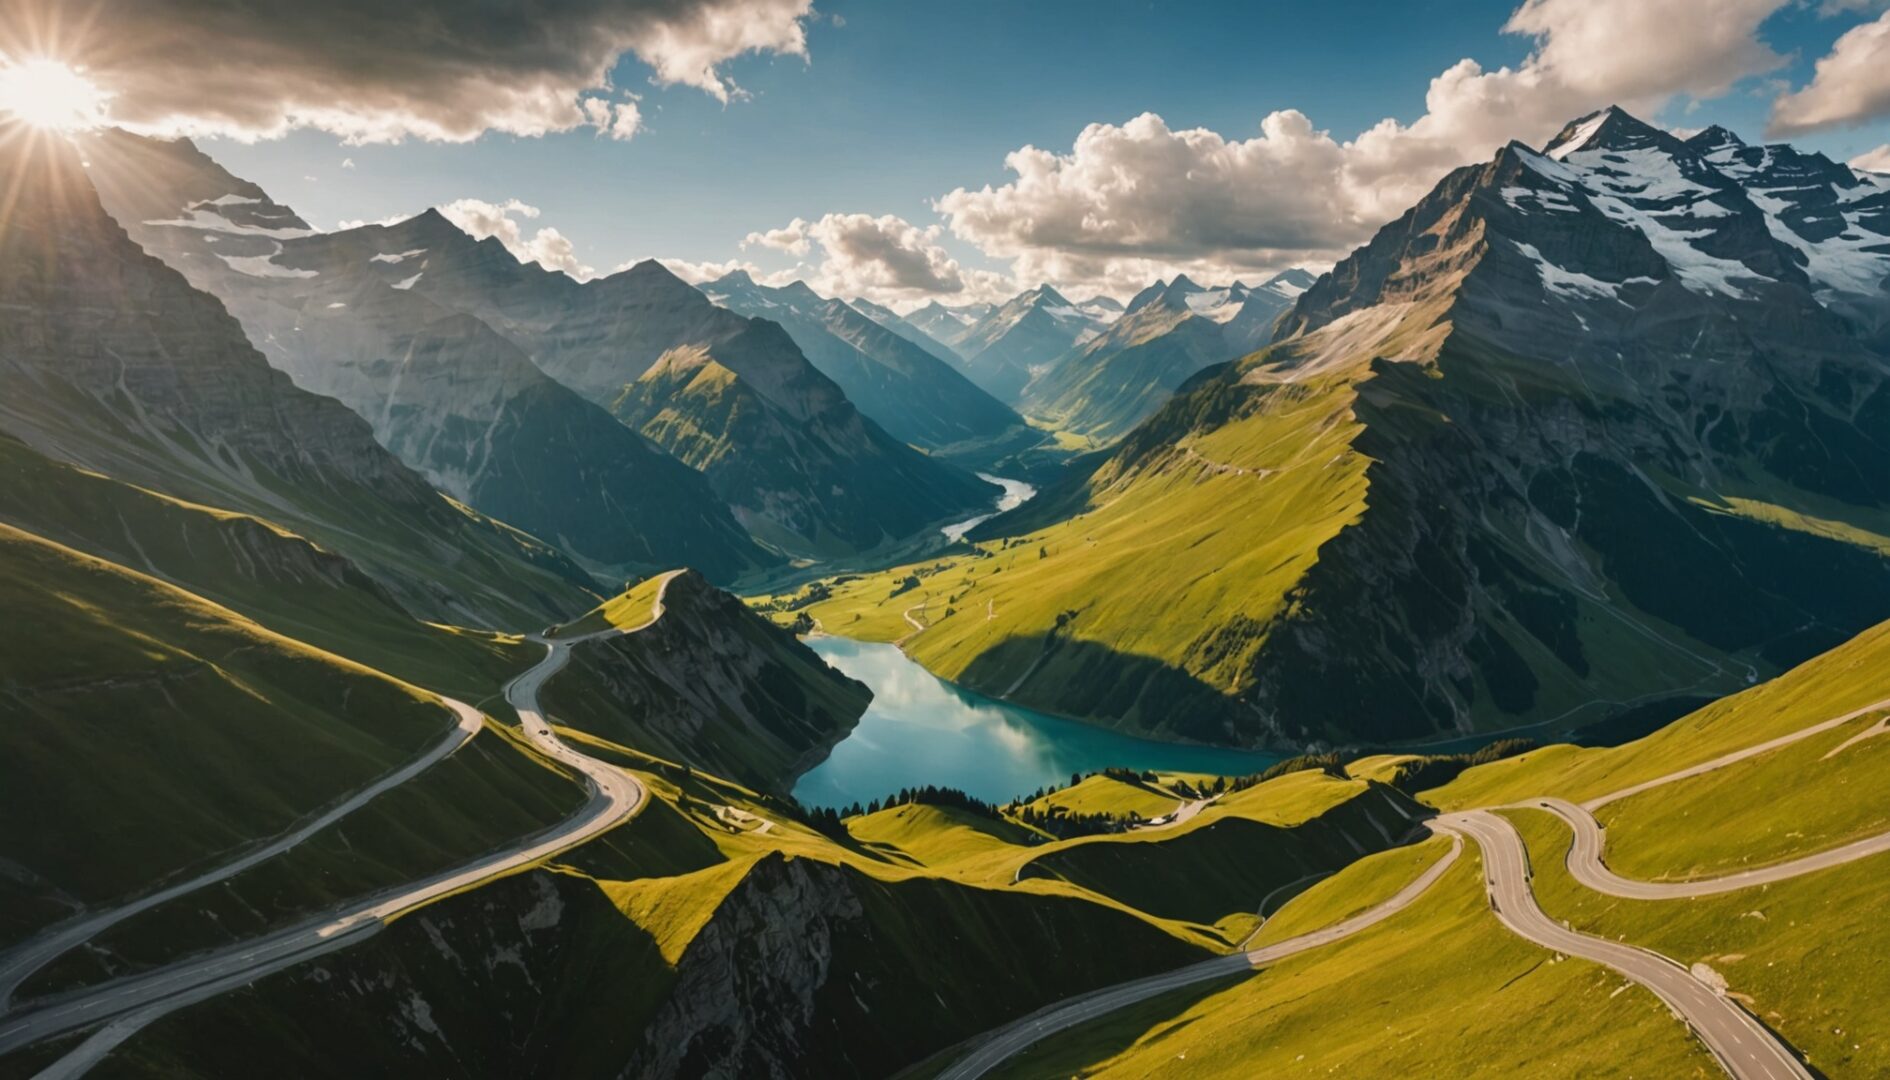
x=547 y=247
x=1131 y=196
x=371 y=71
x=791 y=238
x=1851 y=84
x=1877 y=160
x=888 y=259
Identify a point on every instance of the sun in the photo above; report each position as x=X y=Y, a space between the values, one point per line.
x=51 y=95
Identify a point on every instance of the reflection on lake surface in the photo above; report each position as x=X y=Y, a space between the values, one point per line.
x=922 y=730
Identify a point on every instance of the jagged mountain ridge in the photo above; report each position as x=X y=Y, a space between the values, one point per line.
x=1003 y=350
x=114 y=362
x=912 y=393
x=1170 y=331
x=601 y=337
x=1575 y=432
x=447 y=394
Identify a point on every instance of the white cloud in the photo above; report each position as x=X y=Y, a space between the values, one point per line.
x=369 y=71
x=1850 y=85
x=791 y=238
x=1138 y=195
x=1877 y=160
x=347 y=163
x=548 y=247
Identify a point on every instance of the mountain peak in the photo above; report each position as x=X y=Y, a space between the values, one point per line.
x=1183 y=283
x=1714 y=138
x=736 y=278
x=1612 y=128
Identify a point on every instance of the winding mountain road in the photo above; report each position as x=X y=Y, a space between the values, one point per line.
x=18 y=964
x=133 y=1001
x=1020 y=1035
x=1744 y=1047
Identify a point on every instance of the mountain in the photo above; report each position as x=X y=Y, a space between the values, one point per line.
x=447 y=394
x=1170 y=331
x=600 y=338
x=117 y=364
x=909 y=391
x=1578 y=429
x=948 y=325
x=1005 y=349
x=1113 y=381
x=1251 y=327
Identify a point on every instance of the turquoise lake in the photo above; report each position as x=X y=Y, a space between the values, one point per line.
x=923 y=730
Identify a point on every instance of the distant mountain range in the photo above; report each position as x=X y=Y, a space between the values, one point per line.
x=1586 y=427
x=1170 y=331
x=902 y=383
x=452 y=397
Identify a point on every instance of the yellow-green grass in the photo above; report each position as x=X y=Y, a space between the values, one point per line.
x=1213 y=871
x=1849 y=677
x=1364 y=884
x=1779 y=805
x=168 y=729
x=1101 y=794
x=283 y=581
x=938 y=836
x=628 y=610
x=1285 y=472
x=1441 y=989
x=1384 y=768
x=1805 y=955
x=484 y=797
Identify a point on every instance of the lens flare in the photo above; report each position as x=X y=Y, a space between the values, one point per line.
x=50 y=95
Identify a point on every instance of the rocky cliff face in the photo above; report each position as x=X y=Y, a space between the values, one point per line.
x=1603 y=403
x=712 y=685
x=601 y=337
x=113 y=361
x=449 y=396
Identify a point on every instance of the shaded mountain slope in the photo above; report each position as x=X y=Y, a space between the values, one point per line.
x=602 y=336
x=114 y=362
x=448 y=395
x=914 y=395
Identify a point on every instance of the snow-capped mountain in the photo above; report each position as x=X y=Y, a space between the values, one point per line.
x=948 y=325
x=1006 y=348
x=1170 y=331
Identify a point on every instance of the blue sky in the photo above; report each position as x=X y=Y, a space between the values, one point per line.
x=897 y=104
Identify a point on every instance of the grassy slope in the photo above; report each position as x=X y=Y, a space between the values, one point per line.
x=1806 y=955
x=628 y=610
x=1106 y=795
x=484 y=797
x=1220 y=529
x=1438 y=990
x=274 y=576
x=1846 y=678
x=169 y=729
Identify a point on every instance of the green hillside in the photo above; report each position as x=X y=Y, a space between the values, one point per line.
x=168 y=728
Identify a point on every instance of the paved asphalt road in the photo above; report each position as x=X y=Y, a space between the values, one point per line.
x=1014 y=1038
x=19 y=963
x=1585 y=862
x=133 y=1001
x=1743 y=1046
